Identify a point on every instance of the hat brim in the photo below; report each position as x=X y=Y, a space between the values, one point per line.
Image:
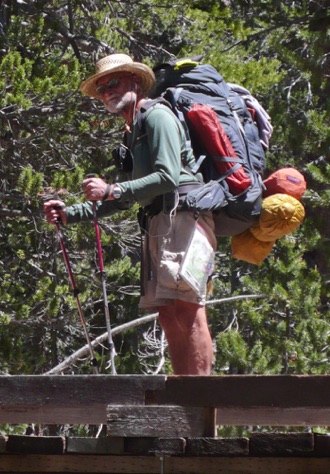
x=146 y=74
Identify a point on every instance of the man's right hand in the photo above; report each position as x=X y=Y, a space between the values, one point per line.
x=54 y=211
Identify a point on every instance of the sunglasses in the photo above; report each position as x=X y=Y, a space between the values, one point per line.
x=111 y=84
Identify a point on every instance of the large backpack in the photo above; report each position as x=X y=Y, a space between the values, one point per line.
x=229 y=132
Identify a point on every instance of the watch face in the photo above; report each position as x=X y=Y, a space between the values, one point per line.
x=116 y=192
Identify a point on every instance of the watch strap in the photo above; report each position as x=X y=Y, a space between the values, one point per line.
x=106 y=193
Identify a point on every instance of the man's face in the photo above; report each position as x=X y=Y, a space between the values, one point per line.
x=117 y=91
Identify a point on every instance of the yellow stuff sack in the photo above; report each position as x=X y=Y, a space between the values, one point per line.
x=246 y=247
x=281 y=214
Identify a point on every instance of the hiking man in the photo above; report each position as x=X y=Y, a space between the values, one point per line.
x=160 y=177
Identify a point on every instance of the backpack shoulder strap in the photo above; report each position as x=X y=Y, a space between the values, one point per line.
x=175 y=93
x=146 y=106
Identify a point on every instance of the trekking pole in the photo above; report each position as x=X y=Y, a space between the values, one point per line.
x=104 y=290
x=75 y=293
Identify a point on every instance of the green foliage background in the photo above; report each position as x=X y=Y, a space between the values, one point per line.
x=51 y=137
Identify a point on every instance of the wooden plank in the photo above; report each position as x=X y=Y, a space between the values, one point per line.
x=322 y=444
x=139 y=446
x=281 y=444
x=271 y=400
x=246 y=465
x=128 y=446
x=82 y=463
x=95 y=445
x=35 y=444
x=132 y=446
x=274 y=416
x=170 y=446
x=74 y=399
x=245 y=391
x=163 y=464
x=157 y=421
x=50 y=415
x=3 y=442
x=285 y=391
x=217 y=447
x=69 y=390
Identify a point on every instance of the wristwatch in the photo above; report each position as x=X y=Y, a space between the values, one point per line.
x=117 y=191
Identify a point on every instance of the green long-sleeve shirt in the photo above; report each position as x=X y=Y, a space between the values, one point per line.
x=159 y=159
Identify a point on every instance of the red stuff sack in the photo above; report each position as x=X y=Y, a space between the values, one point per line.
x=285 y=181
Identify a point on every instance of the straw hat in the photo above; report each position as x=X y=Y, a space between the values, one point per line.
x=115 y=63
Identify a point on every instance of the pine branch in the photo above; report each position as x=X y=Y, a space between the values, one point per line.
x=234 y=298
x=12 y=213
x=99 y=340
x=266 y=31
x=125 y=327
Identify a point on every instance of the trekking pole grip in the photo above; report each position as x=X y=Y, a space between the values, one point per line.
x=49 y=197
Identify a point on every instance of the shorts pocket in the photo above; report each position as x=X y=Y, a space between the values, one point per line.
x=168 y=277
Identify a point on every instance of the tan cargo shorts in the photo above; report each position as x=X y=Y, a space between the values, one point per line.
x=166 y=241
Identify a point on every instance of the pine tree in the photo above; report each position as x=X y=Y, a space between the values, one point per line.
x=51 y=137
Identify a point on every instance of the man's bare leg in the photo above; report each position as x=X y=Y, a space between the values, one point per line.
x=188 y=336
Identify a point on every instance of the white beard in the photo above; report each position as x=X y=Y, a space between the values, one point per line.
x=116 y=104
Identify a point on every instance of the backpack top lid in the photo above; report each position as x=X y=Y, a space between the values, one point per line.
x=177 y=63
x=287 y=181
x=183 y=72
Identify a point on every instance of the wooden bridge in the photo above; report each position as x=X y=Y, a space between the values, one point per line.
x=167 y=424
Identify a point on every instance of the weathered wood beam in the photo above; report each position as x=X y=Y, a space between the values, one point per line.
x=160 y=421
x=154 y=465
x=240 y=400
x=74 y=399
x=69 y=390
x=246 y=391
x=305 y=416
